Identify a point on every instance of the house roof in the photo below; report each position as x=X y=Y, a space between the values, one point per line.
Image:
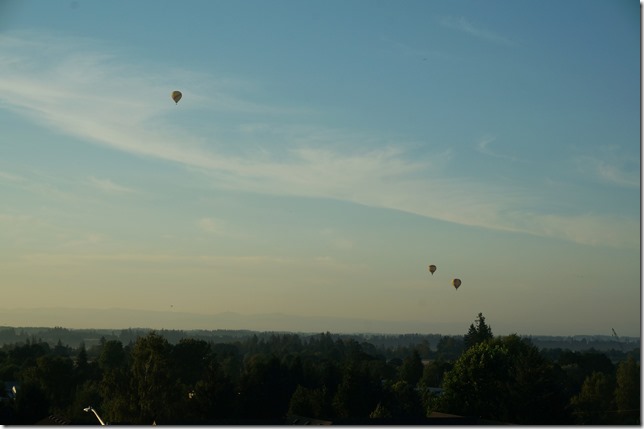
x=53 y=420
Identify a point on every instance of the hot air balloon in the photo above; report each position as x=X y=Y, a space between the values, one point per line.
x=176 y=96
x=432 y=268
x=456 y=283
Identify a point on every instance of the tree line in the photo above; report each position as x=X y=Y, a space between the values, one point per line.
x=502 y=379
x=90 y=337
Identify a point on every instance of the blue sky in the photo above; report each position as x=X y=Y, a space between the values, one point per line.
x=323 y=154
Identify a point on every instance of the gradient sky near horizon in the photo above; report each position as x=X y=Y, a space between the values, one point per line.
x=323 y=154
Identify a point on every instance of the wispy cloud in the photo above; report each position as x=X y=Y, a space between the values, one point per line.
x=87 y=240
x=106 y=185
x=464 y=25
x=584 y=228
x=10 y=177
x=211 y=225
x=610 y=170
x=75 y=88
x=246 y=263
x=483 y=146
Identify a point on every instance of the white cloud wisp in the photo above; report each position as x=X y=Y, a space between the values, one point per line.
x=69 y=87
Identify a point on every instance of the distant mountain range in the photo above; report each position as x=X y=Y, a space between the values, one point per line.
x=119 y=318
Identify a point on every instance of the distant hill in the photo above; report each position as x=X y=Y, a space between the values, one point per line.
x=118 y=318
x=125 y=325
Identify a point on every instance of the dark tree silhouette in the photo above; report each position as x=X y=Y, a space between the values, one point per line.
x=412 y=369
x=339 y=378
x=506 y=380
x=31 y=403
x=479 y=332
x=628 y=392
x=594 y=403
x=155 y=390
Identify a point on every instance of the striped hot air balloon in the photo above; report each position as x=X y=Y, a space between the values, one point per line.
x=176 y=96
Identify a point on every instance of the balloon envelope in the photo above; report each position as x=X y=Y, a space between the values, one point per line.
x=176 y=96
x=432 y=268
x=456 y=283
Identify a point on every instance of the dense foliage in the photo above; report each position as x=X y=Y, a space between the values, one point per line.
x=502 y=379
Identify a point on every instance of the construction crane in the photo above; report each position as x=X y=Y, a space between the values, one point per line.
x=621 y=346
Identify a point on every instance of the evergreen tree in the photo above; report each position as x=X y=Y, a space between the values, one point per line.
x=478 y=333
x=412 y=369
x=449 y=348
x=81 y=358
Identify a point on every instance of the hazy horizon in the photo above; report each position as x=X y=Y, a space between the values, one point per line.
x=119 y=318
x=324 y=153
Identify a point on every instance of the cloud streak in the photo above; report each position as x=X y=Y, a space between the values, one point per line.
x=463 y=25
x=79 y=90
x=483 y=146
x=609 y=170
x=106 y=185
x=211 y=225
